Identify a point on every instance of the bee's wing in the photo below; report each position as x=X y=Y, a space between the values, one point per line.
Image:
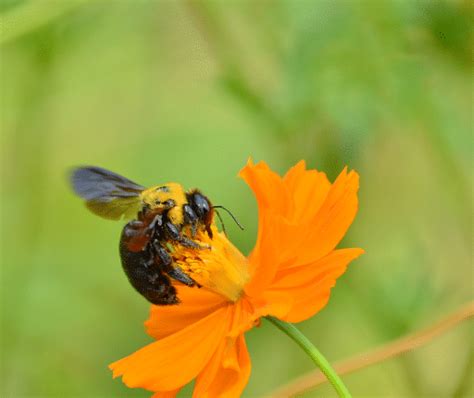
x=107 y=194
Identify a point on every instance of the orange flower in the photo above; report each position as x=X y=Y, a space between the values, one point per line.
x=288 y=275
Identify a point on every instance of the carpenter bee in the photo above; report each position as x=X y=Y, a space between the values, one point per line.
x=162 y=217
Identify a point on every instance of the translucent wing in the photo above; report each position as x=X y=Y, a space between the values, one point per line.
x=106 y=193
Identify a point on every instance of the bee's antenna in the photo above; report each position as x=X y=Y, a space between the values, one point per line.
x=222 y=223
x=228 y=211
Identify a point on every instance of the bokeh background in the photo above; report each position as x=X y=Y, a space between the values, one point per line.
x=188 y=90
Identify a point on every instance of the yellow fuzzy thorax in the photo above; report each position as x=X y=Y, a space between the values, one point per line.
x=156 y=196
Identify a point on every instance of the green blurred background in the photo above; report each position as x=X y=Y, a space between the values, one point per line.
x=186 y=91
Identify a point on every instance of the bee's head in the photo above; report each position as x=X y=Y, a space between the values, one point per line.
x=202 y=207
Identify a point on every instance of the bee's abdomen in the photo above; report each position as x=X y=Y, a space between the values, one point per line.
x=145 y=275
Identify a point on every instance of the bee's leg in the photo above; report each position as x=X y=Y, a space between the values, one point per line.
x=148 y=278
x=156 y=222
x=158 y=288
x=174 y=234
x=190 y=218
x=167 y=263
x=160 y=291
x=150 y=228
x=180 y=276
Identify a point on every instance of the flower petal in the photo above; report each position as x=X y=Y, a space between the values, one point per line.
x=172 y=362
x=208 y=374
x=331 y=222
x=310 y=285
x=301 y=218
x=273 y=202
x=264 y=259
x=267 y=186
x=308 y=189
x=166 y=394
x=226 y=376
x=195 y=304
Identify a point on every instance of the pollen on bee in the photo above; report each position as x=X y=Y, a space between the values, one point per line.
x=219 y=266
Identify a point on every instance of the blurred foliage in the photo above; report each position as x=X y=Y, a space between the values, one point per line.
x=187 y=91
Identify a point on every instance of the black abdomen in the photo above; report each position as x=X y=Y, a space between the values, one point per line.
x=144 y=273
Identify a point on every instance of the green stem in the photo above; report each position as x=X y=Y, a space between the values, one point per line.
x=314 y=354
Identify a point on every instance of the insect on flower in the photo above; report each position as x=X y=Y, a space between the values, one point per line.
x=164 y=219
x=288 y=275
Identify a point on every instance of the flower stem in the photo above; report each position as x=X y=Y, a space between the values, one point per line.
x=314 y=354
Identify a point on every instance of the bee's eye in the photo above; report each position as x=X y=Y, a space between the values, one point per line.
x=201 y=204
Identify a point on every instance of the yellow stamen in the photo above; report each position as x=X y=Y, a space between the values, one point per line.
x=221 y=268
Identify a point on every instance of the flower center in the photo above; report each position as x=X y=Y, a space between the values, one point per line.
x=219 y=266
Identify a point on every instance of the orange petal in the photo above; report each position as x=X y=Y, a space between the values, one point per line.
x=273 y=201
x=272 y=302
x=296 y=197
x=308 y=189
x=195 y=304
x=310 y=285
x=208 y=374
x=267 y=186
x=264 y=259
x=166 y=394
x=226 y=376
x=332 y=220
x=301 y=218
x=172 y=362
